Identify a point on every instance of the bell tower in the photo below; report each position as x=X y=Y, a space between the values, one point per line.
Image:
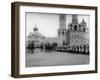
x=62 y=21
x=62 y=31
x=74 y=19
x=74 y=25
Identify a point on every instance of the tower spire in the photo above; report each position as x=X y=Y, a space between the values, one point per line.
x=35 y=29
x=74 y=19
x=62 y=21
x=83 y=23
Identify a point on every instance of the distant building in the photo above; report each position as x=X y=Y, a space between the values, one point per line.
x=36 y=37
x=51 y=40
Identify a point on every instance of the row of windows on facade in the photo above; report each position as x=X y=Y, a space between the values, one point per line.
x=77 y=28
x=63 y=33
x=66 y=33
x=79 y=25
x=79 y=36
x=79 y=41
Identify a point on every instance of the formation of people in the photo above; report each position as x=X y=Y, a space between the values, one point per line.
x=49 y=47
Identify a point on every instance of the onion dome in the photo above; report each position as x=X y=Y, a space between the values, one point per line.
x=35 y=28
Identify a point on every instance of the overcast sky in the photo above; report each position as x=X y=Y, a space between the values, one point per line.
x=49 y=23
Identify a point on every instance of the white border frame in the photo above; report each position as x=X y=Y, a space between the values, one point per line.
x=53 y=69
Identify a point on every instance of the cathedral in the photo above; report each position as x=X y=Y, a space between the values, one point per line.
x=77 y=33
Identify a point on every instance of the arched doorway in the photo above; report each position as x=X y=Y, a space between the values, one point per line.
x=75 y=27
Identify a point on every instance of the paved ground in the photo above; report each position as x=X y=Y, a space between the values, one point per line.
x=39 y=58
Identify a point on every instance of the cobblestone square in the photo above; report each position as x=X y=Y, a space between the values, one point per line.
x=39 y=58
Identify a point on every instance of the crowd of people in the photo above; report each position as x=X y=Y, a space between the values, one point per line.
x=49 y=47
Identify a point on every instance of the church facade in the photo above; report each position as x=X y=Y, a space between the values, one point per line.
x=78 y=32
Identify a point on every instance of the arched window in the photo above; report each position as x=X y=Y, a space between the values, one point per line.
x=59 y=32
x=75 y=27
x=79 y=29
x=79 y=25
x=62 y=32
x=66 y=33
x=71 y=25
x=64 y=43
x=84 y=29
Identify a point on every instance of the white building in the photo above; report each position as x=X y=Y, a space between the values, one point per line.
x=35 y=37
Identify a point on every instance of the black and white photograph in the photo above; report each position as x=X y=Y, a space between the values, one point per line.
x=53 y=39
x=56 y=39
